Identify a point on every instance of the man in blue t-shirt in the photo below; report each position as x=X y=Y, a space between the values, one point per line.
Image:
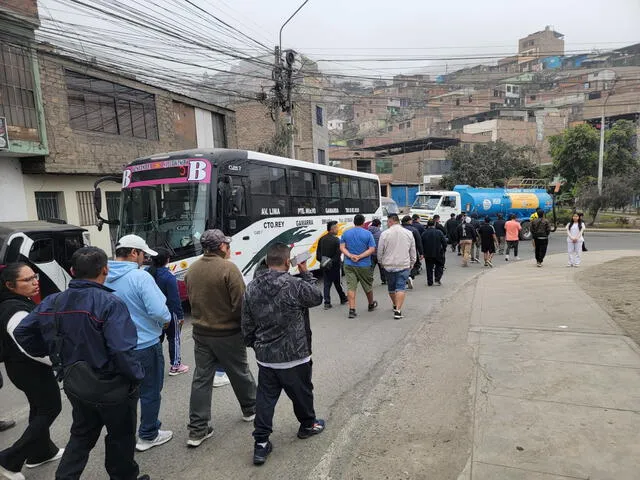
x=357 y=245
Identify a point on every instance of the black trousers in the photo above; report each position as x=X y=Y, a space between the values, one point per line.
x=296 y=383
x=374 y=262
x=37 y=382
x=512 y=245
x=541 y=248
x=120 y=442
x=331 y=277
x=434 y=265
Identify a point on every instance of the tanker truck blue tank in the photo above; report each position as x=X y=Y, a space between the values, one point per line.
x=522 y=202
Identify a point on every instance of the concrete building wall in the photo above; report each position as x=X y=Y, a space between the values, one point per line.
x=12 y=191
x=67 y=186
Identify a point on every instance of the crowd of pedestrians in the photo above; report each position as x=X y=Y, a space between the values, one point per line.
x=114 y=360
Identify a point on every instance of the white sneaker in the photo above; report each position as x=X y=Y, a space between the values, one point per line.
x=11 y=475
x=249 y=418
x=506 y=259
x=221 y=379
x=196 y=442
x=163 y=437
x=57 y=456
x=517 y=258
x=410 y=283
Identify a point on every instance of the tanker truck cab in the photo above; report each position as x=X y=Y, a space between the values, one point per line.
x=436 y=202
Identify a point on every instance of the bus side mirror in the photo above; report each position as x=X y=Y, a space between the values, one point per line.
x=97 y=200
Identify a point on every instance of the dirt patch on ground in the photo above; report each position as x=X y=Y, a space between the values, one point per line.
x=615 y=286
x=420 y=426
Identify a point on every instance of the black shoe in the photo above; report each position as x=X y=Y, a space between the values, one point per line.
x=373 y=306
x=352 y=313
x=383 y=282
x=260 y=454
x=438 y=283
x=144 y=477
x=344 y=301
x=6 y=425
x=315 y=429
x=327 y=306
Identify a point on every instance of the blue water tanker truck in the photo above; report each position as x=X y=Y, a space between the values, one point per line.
x=522 y=202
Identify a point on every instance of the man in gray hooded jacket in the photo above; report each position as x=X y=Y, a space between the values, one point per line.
x=275 y=323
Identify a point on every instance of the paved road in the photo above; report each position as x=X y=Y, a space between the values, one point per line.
x=349 y=356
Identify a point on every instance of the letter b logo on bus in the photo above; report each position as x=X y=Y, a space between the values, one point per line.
x=197 y=171
x=126 y=178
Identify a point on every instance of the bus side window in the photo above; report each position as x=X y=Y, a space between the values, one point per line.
x=304 y=192
x=238 y=197
x=369 y=195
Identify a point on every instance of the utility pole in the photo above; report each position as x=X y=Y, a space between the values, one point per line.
x=601 y=154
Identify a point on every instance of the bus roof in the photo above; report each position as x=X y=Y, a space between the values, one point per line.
x=226 y=155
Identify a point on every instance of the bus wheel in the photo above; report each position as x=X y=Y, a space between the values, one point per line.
x=525 y=233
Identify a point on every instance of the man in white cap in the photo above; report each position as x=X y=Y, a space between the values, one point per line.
x=215 y=288
x=149 y=312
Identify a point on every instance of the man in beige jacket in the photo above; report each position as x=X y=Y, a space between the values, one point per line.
x=397 y=254
x=215 y=288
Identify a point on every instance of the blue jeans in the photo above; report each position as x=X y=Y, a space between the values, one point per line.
x=152 y=362
x=397 y=281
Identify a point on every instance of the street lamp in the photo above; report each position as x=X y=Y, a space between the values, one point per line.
x=279 y=61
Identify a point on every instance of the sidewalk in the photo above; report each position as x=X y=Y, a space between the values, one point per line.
x=557 y=383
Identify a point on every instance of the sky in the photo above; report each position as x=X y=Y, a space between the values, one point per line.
x=340 y=29
x=342 y=34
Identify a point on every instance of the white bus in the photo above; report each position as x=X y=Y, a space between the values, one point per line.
x=257 y=199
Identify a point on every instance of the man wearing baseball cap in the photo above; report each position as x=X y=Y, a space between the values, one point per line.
x=215 y=287
x=149 y=312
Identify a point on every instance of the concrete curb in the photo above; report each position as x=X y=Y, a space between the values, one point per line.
x=612 y=230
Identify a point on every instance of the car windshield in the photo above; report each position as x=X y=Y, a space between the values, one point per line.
x=172 y=216
x=427 y=202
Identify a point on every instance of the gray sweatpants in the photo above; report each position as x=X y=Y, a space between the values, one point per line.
x=229 y=353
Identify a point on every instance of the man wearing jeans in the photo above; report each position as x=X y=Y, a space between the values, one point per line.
x=215 y=287
x=147 y=306
x=275 y=323
x=397 y=254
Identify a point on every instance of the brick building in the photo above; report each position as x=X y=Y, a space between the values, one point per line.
x=71 y=122
x=256 y=128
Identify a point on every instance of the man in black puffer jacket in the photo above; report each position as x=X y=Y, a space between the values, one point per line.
x=275 y=323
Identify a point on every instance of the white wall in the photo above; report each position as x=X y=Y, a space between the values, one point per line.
x=481 y=127
x=12 y=195
x=69 y=210
x=204 y=129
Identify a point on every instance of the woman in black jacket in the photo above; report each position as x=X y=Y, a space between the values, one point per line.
x=18 y=283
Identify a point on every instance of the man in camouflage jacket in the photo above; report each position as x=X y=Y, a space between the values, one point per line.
x=275 y=323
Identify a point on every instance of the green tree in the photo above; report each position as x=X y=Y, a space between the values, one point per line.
x=620 y=155
x=488 y=165
x=575 y=153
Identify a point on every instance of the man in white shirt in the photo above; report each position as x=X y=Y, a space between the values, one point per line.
x=397 y=253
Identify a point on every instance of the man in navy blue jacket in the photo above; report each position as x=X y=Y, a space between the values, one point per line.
x=96 y=328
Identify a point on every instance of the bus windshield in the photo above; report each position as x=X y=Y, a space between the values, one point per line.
x=427 y=202
x=167 y=204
